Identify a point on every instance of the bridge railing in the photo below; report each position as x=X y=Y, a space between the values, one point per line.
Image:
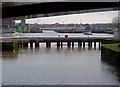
x=60 y=36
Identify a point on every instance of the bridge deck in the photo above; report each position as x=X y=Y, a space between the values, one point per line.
x=56 y=39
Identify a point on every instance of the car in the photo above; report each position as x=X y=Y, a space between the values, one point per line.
x=88 y=33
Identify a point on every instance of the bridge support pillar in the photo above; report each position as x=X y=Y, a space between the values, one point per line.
x=36 y=44
x=79 y=44
x=72 y=44
x=31 y=44
x=20 y=44
x=48 y=44
x=90 y=44
x=25 y=44
x=94 y=44
x=61 y=44
x=99 y=44
x=68 y=44
x=58 y=44
x=83 y=43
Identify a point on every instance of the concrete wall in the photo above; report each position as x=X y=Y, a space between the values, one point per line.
x=9 y=46
x=111 y=57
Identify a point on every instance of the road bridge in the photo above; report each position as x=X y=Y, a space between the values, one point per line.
x=23 y=42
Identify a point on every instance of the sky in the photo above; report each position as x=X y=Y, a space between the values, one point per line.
x=84 y=18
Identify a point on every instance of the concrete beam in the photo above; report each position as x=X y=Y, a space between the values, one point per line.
x=55 y=9
x=59 y=13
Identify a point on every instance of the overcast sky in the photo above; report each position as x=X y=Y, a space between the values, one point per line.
x=90 y=18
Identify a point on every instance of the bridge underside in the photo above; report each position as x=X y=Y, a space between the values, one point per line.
x=35 y=10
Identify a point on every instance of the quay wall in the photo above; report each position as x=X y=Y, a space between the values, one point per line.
x=111 y=57
x=9 y=46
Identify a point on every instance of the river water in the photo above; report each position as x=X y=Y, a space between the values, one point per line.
x=56 y=66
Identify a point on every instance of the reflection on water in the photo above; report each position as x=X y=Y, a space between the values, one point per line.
x=10 y=55
x=56 y=66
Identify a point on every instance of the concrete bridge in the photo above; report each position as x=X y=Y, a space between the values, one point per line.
x=23 y=42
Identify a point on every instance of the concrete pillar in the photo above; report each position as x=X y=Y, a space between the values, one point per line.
x=48 y=44
x=68 y=44
x=25 y=44
x=20 y=44
x=58 y=44
x=36 y=44
x=95 y=44
x=99 y=44
x=61 y=44
x=83 y=43
x=79 y=44
x=90 y=43
x=31 y=44
x=72 y=44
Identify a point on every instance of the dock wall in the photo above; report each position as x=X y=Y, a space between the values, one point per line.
x=111 y=57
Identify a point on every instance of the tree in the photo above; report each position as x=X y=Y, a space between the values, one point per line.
x=116 y=22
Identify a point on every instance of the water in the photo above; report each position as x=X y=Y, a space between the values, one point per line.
x=56 y=66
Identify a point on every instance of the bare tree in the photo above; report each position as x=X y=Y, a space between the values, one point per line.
x=116 y=22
